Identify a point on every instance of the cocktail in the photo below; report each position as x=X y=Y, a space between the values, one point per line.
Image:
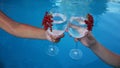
x=56 y=25
x=78 y=28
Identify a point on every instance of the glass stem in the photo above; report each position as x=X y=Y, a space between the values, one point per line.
x=54 y=44
x=76 y=45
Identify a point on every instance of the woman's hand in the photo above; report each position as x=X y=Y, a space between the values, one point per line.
x=88 y=40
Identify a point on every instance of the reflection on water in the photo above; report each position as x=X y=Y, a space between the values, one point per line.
x=113 y=6
x=116 y=1
x=76 y=7
x=98 y=7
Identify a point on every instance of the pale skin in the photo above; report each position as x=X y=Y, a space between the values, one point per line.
x=24 y=30
x=104 y=54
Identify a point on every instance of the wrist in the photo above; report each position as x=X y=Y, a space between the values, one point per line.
x=43 y=34
x=93 y=45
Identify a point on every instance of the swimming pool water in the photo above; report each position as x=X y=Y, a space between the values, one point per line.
x=30 y=53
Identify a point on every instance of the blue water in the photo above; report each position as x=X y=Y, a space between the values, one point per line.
x=30 y=53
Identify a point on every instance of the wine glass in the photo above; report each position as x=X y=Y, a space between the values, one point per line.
x=77 y=29
x=59 y=26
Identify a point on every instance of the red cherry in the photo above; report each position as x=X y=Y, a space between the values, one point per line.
x=47 y=21
x=89 y=22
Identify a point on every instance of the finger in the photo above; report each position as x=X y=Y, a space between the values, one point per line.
x=57 y=40
x=74 y=26
x=52 y=38
x=66 y=30
x=76 y=39
x=61 y=36
x=86 y=34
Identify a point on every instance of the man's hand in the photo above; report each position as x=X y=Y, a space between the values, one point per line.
x=53 y=38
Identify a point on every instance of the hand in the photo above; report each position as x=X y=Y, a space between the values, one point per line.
x=88 y=40
x=53 y=38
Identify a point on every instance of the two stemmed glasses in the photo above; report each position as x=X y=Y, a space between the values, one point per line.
x=75 y=26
